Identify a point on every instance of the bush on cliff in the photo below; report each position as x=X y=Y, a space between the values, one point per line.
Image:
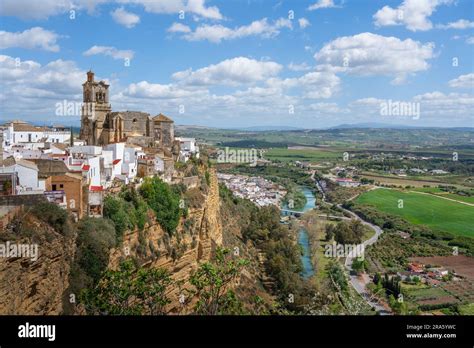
x=164 y=202
x=53 y=215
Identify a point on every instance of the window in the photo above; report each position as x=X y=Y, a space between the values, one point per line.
x=61 y=186
x=54 y=187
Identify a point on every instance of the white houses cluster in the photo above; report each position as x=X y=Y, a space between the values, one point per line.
x=40 y=160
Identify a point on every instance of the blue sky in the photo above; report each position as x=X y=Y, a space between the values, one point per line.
x=311 y=64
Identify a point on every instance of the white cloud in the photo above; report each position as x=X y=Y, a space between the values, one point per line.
x=303 y=22
x=313 y=85
x=179 y=28
x=217 y=33
x=109 y=51
x=299 y=67
x=435 y=109
x=456 y=105
x=235 y=71
x=470 y=40
x=47 y=8
x=36 y=37
x=125 y=18
x=197 y=7
x=368 y=54
x=34 y=89
x=459 y=24
x=327 y=108
x=145 y=89
x=34 y=9
x=322 y=4
x=414 y=14
x=463 y=81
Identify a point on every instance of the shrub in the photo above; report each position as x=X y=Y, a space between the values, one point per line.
x=164 y=202
x=53 y=215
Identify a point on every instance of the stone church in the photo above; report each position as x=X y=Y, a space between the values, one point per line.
x=100 y=126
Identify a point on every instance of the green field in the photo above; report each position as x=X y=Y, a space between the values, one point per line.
x=436 y=213
x=307 y=155
x=438 y=192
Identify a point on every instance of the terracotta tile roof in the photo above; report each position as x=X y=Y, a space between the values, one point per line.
x=25 y=127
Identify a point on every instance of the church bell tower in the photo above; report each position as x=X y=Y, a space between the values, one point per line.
x=95 y=108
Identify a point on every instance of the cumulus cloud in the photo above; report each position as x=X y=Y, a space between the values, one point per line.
x=457 y=105
x=368 y=54
x=434 y=109
x=299 y=67
x=109 y=51
x=414 y=14
x=216 y=33
x=322 y=4
x=179 y=28
x=36 y=37
x=313 y=85
x=235 y=71
x=463 y=81
x=470 y=40
x=34 y=89
x=45 y=8
x=303 y=23
x=145 y=89
x=125 y=18
x=459 y=24
x=196 y=7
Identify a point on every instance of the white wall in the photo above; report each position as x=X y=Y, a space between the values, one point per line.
x=94 y=171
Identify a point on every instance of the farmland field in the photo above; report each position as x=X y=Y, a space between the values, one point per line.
x=434 y=212
x=438 y=192
x=287 y=155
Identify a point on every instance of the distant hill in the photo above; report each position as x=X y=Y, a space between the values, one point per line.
x=393 y=126
x=267 y=128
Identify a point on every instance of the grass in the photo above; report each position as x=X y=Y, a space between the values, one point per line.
x=286 y=155
x=438 y=192
x=467 y=309
x=425 y=293
x=434 y=212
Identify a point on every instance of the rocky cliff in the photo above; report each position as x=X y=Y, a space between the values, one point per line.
x=194 y=241
x=30 y=286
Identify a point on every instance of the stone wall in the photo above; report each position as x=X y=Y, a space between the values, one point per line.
x=26 y=200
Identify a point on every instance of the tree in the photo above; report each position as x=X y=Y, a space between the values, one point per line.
x=95 y=238
x=329 y=229
x=211 y=282
x=377 y=279
x=128 y=291
x=357 y=229
x=163 y=201
x=359 y=266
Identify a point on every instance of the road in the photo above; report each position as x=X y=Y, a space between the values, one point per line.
x=359 y=283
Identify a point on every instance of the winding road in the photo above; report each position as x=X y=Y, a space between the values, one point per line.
x=359 y=283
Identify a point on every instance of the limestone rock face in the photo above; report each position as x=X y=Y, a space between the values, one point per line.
x=36 y=287
x=181 y=253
